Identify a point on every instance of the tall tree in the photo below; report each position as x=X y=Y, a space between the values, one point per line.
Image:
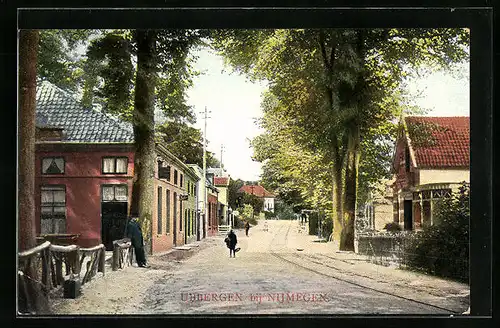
x=143 y=122
x=28 y=45
x=159 y=61
x=184 y=142
x=333 y=86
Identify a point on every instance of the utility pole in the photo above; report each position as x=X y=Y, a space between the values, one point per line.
x=221 y=151
x=204 y=178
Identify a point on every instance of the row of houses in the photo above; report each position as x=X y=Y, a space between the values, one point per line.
x=431 y=160
x=84 y=173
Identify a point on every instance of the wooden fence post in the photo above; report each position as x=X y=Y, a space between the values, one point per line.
x=102 y=260
x=116 y=256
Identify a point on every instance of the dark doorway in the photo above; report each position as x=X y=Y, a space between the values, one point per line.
x=114 y=222
x=204 y=226
x=197 y=222
x=174 y=241
x=408 y=217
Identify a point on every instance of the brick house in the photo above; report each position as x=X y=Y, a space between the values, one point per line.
x=430 y=161
x=262 y=193
x=212 y=206
x=83 y=169
x=175 y=202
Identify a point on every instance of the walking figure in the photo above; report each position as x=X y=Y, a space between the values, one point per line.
x=247 y=227
x=134 y=232
x=231 y=242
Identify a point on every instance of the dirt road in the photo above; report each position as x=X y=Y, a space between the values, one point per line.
x=278 y=271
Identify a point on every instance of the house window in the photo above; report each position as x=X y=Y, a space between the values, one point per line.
x=181 y=180
x=114 y=193
x=160 y=201
x=175 y=177
x=114 y=165
x=53 y=209
x=53 y=165
x=163 y=171
x=167 y=227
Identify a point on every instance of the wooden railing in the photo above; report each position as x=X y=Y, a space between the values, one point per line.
x=96 y=262
x=122 y=253
x=33 y=269
x=49 y=265
x=66 y=256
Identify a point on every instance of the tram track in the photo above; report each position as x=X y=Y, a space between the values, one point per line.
x=315 y=262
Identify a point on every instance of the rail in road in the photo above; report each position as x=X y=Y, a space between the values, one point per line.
x=311 y=261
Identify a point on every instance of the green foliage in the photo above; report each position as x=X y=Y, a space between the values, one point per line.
x=268 y=215
x=184 y=142
x=332 y=91
x=110 y=70
x=58 y=61
x=283 y=210
x=234 y=186
x=255 y=202
x=443 y=248
x=247 y=214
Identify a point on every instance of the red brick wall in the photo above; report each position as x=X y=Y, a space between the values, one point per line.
x=83 y=180
x=213 y=228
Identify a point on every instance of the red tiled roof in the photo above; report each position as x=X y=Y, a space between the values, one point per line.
x=449 y=144
x=256 y=190
x=221 y=181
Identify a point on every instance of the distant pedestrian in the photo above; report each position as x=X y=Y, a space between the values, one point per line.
x=231 y=242
x=247 y=227
x=134 y=232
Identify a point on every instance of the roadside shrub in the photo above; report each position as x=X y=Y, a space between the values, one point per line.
x=327 y=226
x=313 y=223
x=269 y=215
x=392 y=227
x=443 y=248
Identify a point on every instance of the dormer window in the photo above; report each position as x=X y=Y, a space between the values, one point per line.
x=114 y=165
x=53 y=165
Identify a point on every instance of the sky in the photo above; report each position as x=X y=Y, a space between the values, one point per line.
x=234 y=103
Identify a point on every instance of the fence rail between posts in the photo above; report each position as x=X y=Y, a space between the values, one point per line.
x=122 y=253
x=50 y=265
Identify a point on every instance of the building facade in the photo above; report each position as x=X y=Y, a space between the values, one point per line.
x=259 y=191
x=175 y=202
x=431 y=160
x=83 y=170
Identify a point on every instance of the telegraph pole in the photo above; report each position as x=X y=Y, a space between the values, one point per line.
x=203 y=180
x=221 y=151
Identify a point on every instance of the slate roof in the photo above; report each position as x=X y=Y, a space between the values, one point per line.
x=258 y=191
x=450 y=144
x=56 y=107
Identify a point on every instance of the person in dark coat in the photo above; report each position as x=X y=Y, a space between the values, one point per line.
x=231 y=242
x=134 y=232
x=247 y=227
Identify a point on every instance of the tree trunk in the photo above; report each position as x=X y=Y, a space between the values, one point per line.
x=351 y=182
x=28 y=51
x=337 y=197
x=143 y=122
x=353 y=152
